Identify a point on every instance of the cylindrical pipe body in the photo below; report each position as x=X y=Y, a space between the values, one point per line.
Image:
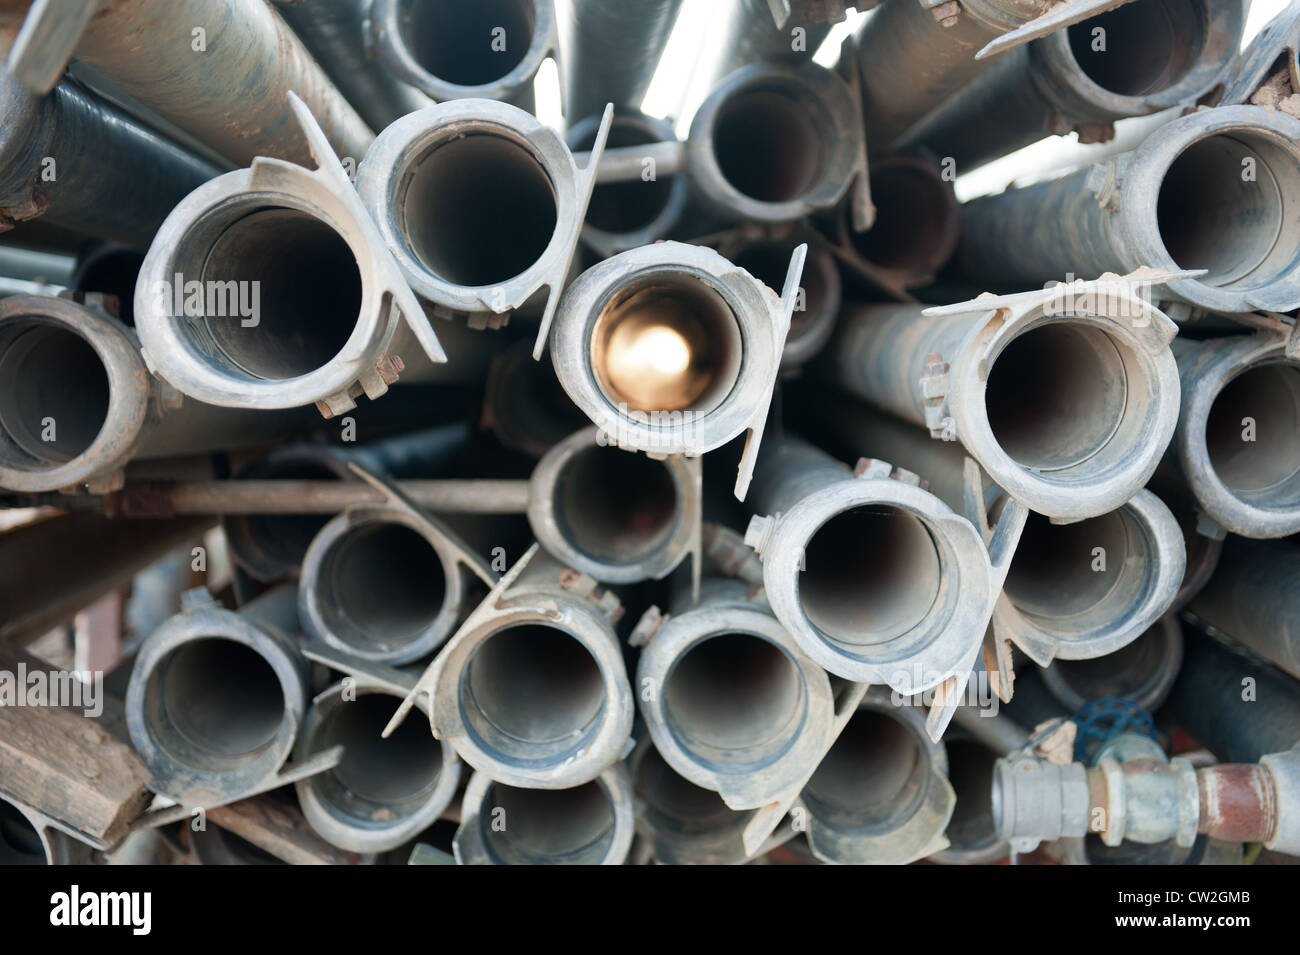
x=1143 y=671
x=972 y=833
x=524 y=405
x=27 y=840
x=752 y=35
x=610 y=52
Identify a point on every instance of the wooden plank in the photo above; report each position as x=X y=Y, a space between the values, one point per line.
x=272 y=822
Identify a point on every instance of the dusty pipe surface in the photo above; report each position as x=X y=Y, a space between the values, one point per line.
x=245 y=42
x=1251 y=598
x=588 y=824
x=339 y=35
x=488 y=49
x=618 y=516
x=1237 y=446
x=27 y=838
x=79 y=162
x=55 y=436
x=1216 y=190
x=1143 y=671
x=270 y=287
x=524 y=406
x=610 y=51
x=972 y=833
x=1203 y=552
x=1155 y=54
x=731 y=702
x=877 y=580
x=775 y=143
x=198 y=750
x=881 y=796
x=1066 y=397
x=385 y=791
x=639 y=209
x=532 y=689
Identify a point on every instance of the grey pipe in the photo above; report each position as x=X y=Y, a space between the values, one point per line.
x=972 y=833
x=524 y=405
x=27 y=838
x=1216 y=190
x=30 y=265
x=1143 y=671
x=610 y=52
x=753 y=35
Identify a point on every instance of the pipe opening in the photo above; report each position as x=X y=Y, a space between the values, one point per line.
x=1131 y=672
x=20 y=843
x=735 y=698
x=548 y=826
x=478 y=210
x=381 y=586
x=871 y=575
x=281 y=294
x=614 y=506
x=1252 y=434
x=112 y=271
x=283 y=538
x=1143 y=47
x=769 y=262
x=874 y=776
x=1081 y=575
x=532 y=693
x=675 y=804
x=664 y=343
x=378 y=779
x=469 y=44
x=971 y=770
x=915 y=219
x=187 y=703
x=769 y=144
x=1228 y=204
x=1057 y=394
x=620 y=207
x=54 y=395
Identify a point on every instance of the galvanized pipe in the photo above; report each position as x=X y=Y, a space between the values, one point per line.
x=1237 y=445
x=753 y=35
x=55 y=436
x=618 y=516
x=339 y=34
x=1067 y=397
x=109 y=269
x=488 y=49
x=1216 y=190
x=524 y=405
x=31 y=265
x=79 y=162
x=972 y=833
x=1143 y=671
x=197 y=748
x=610 y=52
x=27 y=839
x=731 y=702
x=1157 y=54
x=385 y=791
x=1251 y=599
x=881 y=796
x=588 y=824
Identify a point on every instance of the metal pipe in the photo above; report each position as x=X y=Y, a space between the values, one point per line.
x=610 y=52
x=339 y=34
x=384 y=791
x=28 y=839
x=488 y=49
x=755 y=34
x=1067 y=397
x=775 y=143
x=524 y=405
x=1215 y=190
x=31 y=265
x=874 y=578
x=77 y=161
x=1153 y=55
x=1238 y=440
x=636 y=209
x=588 y=824
x=617 y=516
x=197 y=748
x=532 y=689
x=109 y=269
x=731 y=702
x=1143 y=671
x=972 y=833
x=1202 y=551
x=881 y=796
x=1251 y=599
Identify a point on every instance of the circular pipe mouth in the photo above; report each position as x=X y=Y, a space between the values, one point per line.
x=614 y=507
x=917 y=221
x=1142 y=671
x=815 y=312
x=1252 y=435
x=666 y=342
x=271 y=545
x=382 y=590
x=971 y=771
x=735 y=698
x=267 y=293
x=1227 y=203
x=20 y=842
x=112 y=270
x=872 y=574
x=468 y=44
x=476 y=207
x=875 y=776
x=772 y=141
x=187 y=711
x=619 y=208
x=532 y=694
x=548 y=826
x=528 y=409
x=1149 y=46
x=54 y=394
x=676 y=806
